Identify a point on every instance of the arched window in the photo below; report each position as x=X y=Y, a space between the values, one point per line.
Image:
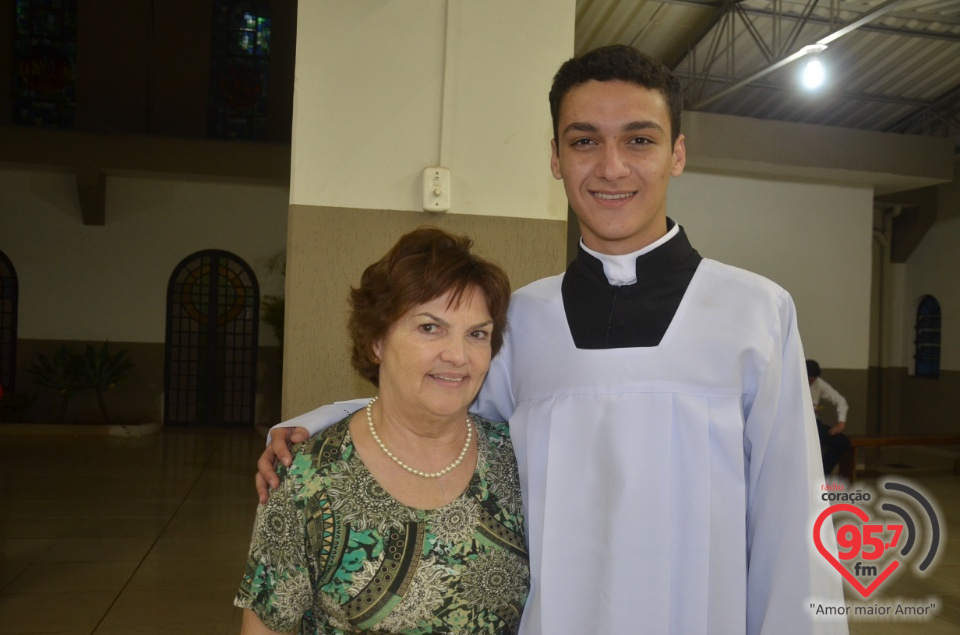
x=239 y=69
x=44 y=55
x=9 y=292
x=927 y=341
x=210 y=365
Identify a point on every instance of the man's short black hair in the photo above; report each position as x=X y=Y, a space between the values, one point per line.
x=813 y=368
x=617 y=62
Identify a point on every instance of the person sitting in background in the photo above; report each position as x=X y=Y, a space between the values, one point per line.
x=832 y=440
x=405 y=517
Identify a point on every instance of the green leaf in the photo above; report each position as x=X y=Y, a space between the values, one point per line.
x=59 y=373
x=100 y=370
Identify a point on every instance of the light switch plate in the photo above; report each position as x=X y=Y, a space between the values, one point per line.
x=436 y=189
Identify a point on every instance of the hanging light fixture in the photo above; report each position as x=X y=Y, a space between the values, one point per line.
x=813 y=71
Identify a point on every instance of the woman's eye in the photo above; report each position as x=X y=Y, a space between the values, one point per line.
x=480 y=335
x=428 y=328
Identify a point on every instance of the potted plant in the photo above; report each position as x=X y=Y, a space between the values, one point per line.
x=58 y=373
x=100 y=371
x=68 y=372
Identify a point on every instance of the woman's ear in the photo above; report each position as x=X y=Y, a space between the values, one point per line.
x=376 y=351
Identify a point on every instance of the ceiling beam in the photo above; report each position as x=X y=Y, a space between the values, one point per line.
x=815 y=19
x=947 y=103
x=682 y=49
x=873 y=14
x=879 y=99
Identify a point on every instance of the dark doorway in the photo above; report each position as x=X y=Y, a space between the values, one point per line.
x=210 y=369
x=9 y=294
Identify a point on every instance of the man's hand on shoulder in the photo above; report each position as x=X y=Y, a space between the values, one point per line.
x=278 y=450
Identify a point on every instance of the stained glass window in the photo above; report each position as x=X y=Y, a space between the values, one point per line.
x=9 y=293
x=44 y=59
x=239 y=69
x=213 y=308
x=927 y=341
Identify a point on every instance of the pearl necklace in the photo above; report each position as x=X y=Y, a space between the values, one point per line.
x=376 y=437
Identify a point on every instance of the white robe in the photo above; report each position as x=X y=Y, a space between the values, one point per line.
x=669 y=489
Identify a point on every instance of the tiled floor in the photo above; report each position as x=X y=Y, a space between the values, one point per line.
x=106 y=535
x=109 y=535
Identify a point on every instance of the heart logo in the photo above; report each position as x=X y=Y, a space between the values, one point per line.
x=862 y=515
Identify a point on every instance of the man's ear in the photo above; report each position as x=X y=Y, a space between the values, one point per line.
x=555 y=160
x=679 y=157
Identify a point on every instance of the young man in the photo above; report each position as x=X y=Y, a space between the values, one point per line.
x=834 y=443
x=657 y=400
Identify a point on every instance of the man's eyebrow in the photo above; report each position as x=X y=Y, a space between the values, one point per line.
x=634 y=126
x=580 y=126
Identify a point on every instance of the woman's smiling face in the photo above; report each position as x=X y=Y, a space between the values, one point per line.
x=434 y=359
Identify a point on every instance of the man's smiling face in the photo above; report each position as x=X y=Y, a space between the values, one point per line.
x=615 y=158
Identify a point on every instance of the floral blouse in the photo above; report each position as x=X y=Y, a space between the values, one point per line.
x=333 y=553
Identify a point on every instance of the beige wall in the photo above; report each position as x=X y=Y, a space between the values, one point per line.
x=386 y=89
x=933 y=269
x=911 y=406
x=785 y=151
x=929 y=406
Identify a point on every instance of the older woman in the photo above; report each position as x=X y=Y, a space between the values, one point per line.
x=404 y=517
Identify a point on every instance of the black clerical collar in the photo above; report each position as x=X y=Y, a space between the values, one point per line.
x=601 y=315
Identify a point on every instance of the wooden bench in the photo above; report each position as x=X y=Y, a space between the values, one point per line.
x=848 y=462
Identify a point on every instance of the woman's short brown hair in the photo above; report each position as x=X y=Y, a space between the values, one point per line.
x=424 y=265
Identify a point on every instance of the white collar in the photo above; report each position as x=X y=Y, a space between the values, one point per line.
x=622 y=269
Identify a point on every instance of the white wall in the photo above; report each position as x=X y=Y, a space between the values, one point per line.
x=934 y=268
x=94 y=283
x=812 y=239
x=459 y=84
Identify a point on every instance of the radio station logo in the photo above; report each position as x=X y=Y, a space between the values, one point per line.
x=879 y=535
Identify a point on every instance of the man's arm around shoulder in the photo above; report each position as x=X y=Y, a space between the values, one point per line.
x=301 y=428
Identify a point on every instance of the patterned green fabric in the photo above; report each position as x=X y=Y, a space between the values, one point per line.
x=333 y=553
